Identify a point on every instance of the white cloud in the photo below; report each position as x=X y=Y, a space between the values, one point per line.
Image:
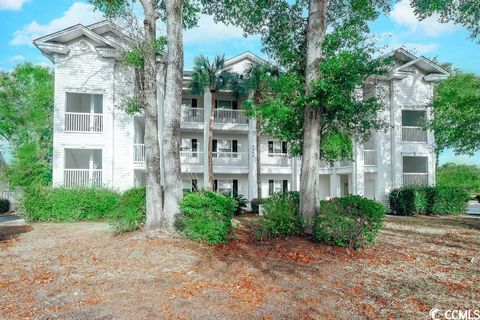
x=403 y=15
x=210 y=31
x=390 y=41
x=12 y=4
x=78 y=12
x=17 y=58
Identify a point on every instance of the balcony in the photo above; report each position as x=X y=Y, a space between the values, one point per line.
x=83 y=122
x=194 y=115
x=275 y=159
x=414 y=134
x=410 y=179
x=224 y=116
x=77 y=178
x=191 y=158
x=230 y=159
x=345 y=164
x=370 y=157
x=138 y=152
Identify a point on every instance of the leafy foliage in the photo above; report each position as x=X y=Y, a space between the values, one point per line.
x=428 y=200
x=460 y=176
x=209 y=74
x=64 y=204
x=455 y=113
x=281 y=215
x=4 y=205
x=351 y=221
x=26 y=121
x=130 y=212
x=206 y=216
x=242 y=203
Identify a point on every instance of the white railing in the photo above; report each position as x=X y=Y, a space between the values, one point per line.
x=230 y=116
x=415 y=179
x=275 y=159
x=345 y=163
x=192 y=114
x=324 y=164
x=370 y=157
x=83 y=122
x=414 y=134
x=82 y=178
x=230 y=159
x=191 y=158
x=138 y=152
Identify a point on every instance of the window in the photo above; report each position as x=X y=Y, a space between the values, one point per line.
x=194 y=185
x=84 y=103
x=226 y=187
x=277 y=147
x=226 y=104
x=225 y=145
x=415 y=170
x=190 y=102
x=277 y=186
x=413 y=118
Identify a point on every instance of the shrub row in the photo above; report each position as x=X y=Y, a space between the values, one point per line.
x=281 y=215
x=130 y=212
x=350 y=221
x=206 y=216
x=65 y=204
x=4 y=205
x=428 y=200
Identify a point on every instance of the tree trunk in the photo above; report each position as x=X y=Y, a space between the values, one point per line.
x=310 y=174
x=259 y=171
x=172 y=112
x=210 y=142
x=154 y=199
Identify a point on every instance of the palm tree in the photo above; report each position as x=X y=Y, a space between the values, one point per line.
x=210 y=76
x=257 y=82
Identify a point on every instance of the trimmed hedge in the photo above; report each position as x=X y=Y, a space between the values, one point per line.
x=4 y=205
x=281 y=215
x=206 y=216
x=130 y=212
x=350 y=221
x=66 y=204
x=437 y=200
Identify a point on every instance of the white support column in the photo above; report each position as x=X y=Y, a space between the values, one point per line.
x=252 y=159
x=296 y=165
x=358 y=174
x=335 y=184
x=207 y=108
x=90 y=167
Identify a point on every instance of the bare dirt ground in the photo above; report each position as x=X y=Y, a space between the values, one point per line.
x=82 y=271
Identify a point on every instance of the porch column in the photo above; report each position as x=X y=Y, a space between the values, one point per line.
x=207 y=108
x=334 y=184
x=252 y=159
x=358 y=173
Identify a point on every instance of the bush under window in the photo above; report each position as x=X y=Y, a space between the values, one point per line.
x=350 y=221
x=281 y=215
x=428 y=200
x=4 y=205
x=66 y=204
x=206 y=216
x=130 y=212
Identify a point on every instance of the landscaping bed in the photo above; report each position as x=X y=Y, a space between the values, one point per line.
x=82 y=271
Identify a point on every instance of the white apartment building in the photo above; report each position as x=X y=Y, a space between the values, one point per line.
x=96 y=143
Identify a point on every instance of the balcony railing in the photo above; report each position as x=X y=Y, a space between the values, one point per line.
x=192 y=114
x=138 y=152
x=415 y=179
x=82 y=178
x=345 y=163
x=230 y=159
x=370 y=157
x=191 y=158
x=414 y=134
x=275 y=159
x=324 y=164
x=230 y=116
x=83 y=122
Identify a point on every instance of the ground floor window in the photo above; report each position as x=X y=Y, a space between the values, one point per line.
x=277 y=186
x=226 y=187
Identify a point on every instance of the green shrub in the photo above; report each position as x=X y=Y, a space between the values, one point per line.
x=4 y=205
x=242 y=203
x=255 y=205
x=206 y=216
x=66 y=204
x=428 y=200
x=130 y=212
x=350 y=221
x=281 y=215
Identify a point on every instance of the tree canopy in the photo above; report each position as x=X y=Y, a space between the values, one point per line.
x=456 y=115
x=460 y=176
x=26 y=121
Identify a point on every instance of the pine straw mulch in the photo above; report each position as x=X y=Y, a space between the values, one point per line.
x=82 y=271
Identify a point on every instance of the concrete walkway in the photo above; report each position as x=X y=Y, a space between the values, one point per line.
x=11 y=220
x=474 y=208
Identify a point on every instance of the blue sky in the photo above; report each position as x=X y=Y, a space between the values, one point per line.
x=23 y=20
